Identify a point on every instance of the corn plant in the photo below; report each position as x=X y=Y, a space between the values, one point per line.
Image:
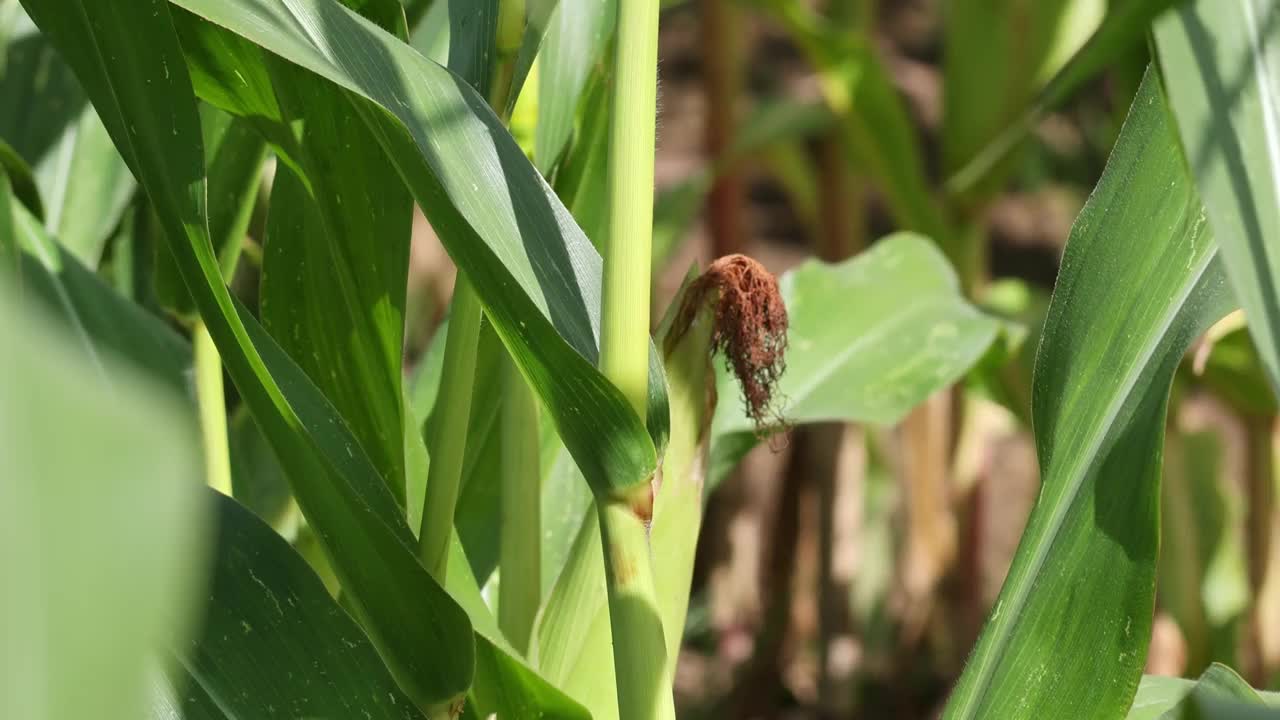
x=548 y=445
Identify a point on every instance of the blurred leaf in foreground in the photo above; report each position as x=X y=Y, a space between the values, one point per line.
x=90 y=591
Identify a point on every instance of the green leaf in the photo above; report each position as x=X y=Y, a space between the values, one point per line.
x=10 y=252
x=104 y=322
x=90 y=592
x=1219 y=694
x=1218 y=61
x=566 y=500
x=148 y=106
x=234 y=156
x=1123 y=27
x=273 y=641
x=1173 y=698
x=904 y=333
x=45 y=117
x=257 y=480
x=581 y=179
x=997 y=56
x=1139 y=281
x=537 y=275
x=537 y=22
x=462 y=35
x=577 y=37
x=338 y=236
x=24 y=183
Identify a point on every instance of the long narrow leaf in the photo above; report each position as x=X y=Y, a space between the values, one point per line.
x=1219 y=61
x=537 y=275
x=46 y=118
x=1123 y=26
x=146 y=101
x=101 y=319
x=272 y=637
x=338 y=237
x=89 y=592
x=578 y=35
x=1069 y=632
x=1167 y=697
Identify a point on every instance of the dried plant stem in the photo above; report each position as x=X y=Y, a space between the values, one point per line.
x=720 y=81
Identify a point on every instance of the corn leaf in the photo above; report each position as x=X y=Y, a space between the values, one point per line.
x=21 y=180
x=1124 y=26
x=338 y=235
x=148 y=106
x=1219 y=64
x=577 y=37
x=537 y=276
x=581 y=179
x=461 y=35
x=1167 y=698
x=102 y=321
x=257 y=480
x=45 y=116
x=905 y=332
x=272 y=637
x=1069 y=632
x=234 y=156
x=334 y=191
x=90 y=593
x=10 y=253
x=998 y=56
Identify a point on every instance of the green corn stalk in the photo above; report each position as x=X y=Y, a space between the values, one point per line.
x=448 y=445
x=639 y=650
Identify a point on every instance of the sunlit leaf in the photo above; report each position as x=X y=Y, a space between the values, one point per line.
x=1218 y=61
x=904 y=332
x=1069 y=632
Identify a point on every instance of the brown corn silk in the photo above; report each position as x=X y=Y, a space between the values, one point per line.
x=749 y=329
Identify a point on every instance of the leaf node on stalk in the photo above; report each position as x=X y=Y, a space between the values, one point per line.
x=749 y=329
